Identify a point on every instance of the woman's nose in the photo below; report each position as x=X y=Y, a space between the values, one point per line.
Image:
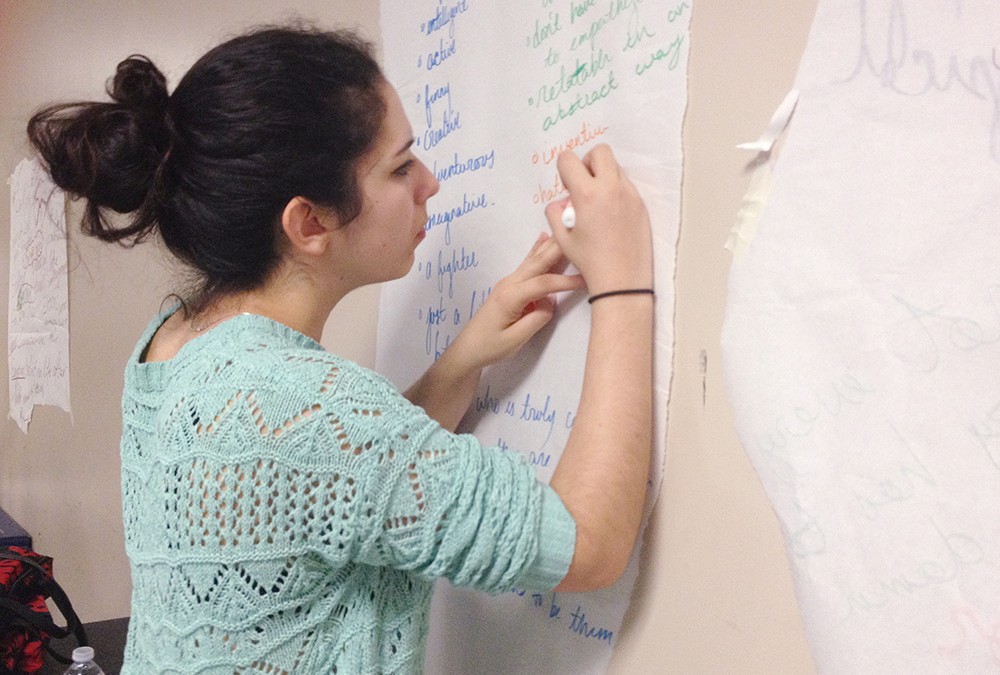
x=431 y=184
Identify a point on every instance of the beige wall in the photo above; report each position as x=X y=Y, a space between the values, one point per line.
x=714 y=595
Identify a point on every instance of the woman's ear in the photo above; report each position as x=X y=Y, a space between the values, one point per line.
x=307 y=226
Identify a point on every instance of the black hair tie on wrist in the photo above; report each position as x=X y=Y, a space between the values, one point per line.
x=625 y=291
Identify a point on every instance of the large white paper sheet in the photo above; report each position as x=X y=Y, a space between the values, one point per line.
x=38 y=309
x=494 y=91
x=862 y=338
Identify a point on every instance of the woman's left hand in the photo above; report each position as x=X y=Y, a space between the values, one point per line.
x=519 y=306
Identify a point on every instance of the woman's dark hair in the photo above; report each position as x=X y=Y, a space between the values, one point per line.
x=277 y=113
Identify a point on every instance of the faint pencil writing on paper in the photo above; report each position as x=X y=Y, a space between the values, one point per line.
x=38 y=319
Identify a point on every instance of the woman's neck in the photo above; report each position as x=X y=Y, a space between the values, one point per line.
x=288 y=299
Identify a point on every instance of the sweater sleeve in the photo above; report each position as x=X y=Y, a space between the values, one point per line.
x=440 y=504
x=556 y=544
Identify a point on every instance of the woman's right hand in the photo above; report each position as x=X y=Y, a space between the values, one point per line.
x=611 y=243
x=603 y=472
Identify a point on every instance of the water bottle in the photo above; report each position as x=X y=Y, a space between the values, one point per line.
x=83 y=663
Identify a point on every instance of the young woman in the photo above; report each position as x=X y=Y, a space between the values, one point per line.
x=286 y=510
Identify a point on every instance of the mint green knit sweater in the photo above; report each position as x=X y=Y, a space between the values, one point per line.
x=286 y=511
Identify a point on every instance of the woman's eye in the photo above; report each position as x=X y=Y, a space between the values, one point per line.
x=404 y=168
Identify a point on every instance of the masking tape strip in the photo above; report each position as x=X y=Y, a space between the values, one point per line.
x=777 y=124
x=759 y=190
x=750 y=211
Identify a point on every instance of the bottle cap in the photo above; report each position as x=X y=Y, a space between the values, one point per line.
x=83 y=654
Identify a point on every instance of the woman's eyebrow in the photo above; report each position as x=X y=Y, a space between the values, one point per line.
x=406 y=146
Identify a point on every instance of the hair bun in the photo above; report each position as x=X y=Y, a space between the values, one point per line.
x=140 y=86
x=111 y=153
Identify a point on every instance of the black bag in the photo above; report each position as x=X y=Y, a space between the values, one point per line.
x=26 y=625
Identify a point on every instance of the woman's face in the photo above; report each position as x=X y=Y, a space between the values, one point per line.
x=395 y=187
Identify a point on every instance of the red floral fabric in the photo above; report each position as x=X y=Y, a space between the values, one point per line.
x=21 y=651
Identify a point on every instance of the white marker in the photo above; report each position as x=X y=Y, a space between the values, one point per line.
x=569 y=216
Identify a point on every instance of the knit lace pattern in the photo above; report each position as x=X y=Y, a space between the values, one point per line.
x=286 y=511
